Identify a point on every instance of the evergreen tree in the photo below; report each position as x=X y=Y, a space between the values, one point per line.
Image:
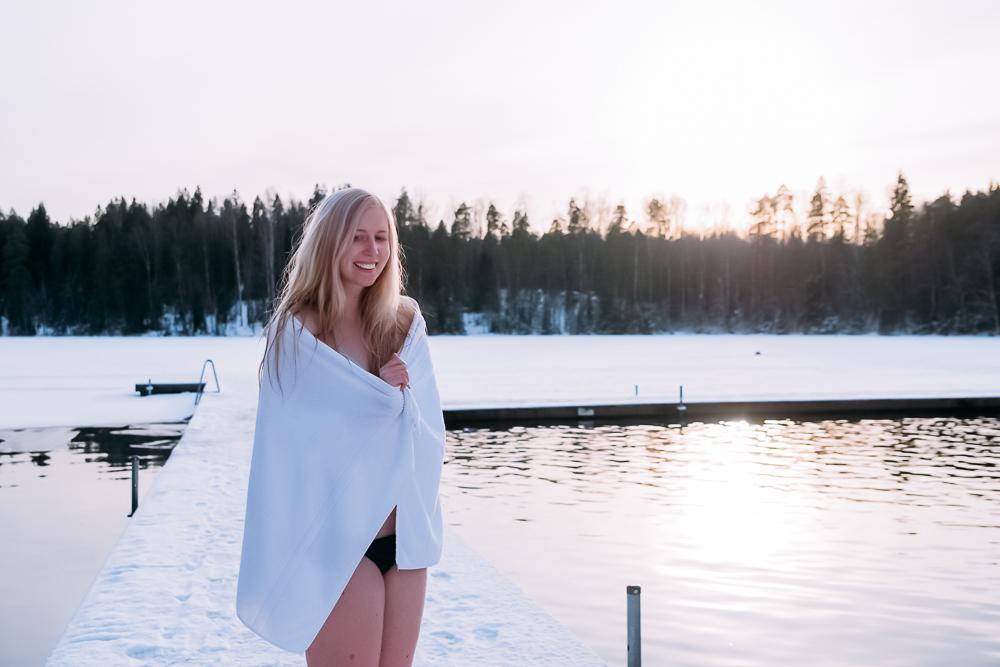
x=461 y=226
x=319 y=192
x=403 y=210
x=39 y=234
x=493 y=222
x=818 y=219
x=520 y=226
x=763 y=218
x=619 y=221
x=783 y=211
x=15 y=277
x=840 y=217
x=577 y=220
x=656 y=215
x=263 y=233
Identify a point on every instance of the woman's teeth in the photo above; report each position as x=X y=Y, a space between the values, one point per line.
x=366 y=267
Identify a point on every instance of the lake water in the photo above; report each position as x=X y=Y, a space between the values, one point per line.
x=66 y=495
x=841 y=542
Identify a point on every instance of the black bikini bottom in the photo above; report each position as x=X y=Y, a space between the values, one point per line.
x=382 y=552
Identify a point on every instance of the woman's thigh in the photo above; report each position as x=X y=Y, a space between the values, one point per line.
x=352 y=633
x=404 y=607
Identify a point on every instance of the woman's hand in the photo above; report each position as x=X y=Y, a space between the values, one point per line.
x=394 y=372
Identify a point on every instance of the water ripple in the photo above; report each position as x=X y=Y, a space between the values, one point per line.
x=837 y=542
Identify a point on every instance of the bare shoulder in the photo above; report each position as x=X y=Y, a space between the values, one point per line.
x=307 y=318
x=410 y=308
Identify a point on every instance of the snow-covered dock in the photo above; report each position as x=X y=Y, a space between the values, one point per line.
x=166 y=593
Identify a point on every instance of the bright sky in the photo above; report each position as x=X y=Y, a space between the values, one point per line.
x=521 y=102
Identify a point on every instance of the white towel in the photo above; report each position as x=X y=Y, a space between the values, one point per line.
x=331 y=457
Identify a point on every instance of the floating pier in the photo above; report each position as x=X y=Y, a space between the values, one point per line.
x=149 y=388
x=675 y=412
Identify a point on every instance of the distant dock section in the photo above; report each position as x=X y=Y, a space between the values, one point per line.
x=686 y=412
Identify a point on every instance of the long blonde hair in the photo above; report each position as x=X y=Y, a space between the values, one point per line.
x=312 y=279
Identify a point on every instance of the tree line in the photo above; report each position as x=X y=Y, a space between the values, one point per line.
x=192 y=266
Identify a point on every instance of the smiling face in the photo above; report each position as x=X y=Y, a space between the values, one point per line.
x=368 y=252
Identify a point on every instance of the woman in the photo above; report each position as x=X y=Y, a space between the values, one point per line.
x=348 y=439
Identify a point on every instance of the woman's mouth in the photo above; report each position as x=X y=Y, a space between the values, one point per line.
x=365 y=266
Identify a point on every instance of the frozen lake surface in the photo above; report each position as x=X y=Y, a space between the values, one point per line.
x=89 y=381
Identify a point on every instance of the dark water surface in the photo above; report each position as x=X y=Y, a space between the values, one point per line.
x=841 y=542
x=65 y=496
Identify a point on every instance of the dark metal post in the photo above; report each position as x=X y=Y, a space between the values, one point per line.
x=632 y=593
x=135 y=483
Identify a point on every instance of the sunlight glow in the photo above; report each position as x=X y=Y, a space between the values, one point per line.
x=732 y=512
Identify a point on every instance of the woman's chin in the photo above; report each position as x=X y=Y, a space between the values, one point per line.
x=363 y=281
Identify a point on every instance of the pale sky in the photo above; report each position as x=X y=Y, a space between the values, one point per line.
x=519 y=102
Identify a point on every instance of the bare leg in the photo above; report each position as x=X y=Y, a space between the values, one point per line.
x=404 y=607
x=352 y=633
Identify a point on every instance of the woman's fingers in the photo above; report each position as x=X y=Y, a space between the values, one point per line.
x=395 y=377
x=393 y=364
x=394 y=372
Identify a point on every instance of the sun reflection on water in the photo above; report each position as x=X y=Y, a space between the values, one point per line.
x=728 y=511
x=754 y=543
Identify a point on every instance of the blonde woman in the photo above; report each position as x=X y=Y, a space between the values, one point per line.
x=342 y=513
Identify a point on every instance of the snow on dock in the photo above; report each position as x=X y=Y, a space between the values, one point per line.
x=166 y=593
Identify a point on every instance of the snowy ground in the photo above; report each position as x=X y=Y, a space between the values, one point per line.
x=166 y=593
x=89 y=381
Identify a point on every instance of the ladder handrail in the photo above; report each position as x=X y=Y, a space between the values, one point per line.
x=201 y=378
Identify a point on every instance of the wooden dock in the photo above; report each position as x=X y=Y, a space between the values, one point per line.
x=717 y=410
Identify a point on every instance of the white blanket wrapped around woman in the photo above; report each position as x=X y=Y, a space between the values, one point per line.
x=335 y=449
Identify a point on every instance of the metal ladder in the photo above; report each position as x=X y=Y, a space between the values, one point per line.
x=201 y=379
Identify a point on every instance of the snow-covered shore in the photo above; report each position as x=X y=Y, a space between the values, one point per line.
x=166 y=593
x=89 y=381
